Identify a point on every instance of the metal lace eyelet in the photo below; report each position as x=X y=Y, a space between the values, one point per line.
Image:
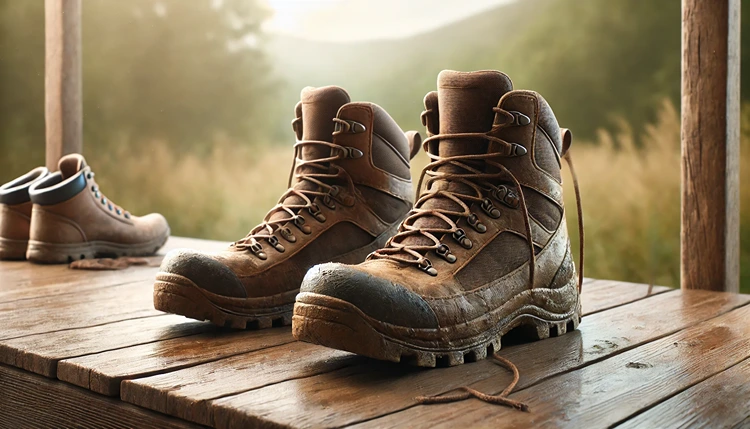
x=328 y=202
x=476 y=224
x=118 y=211
x=89 y=175
x=274 y=242
x=462 y=239
x=352 y=152
x=257 y=249
x=445 y=252
x=127 y=215
x=314 y=210
x=93 y=188
x=334 y=191
x=426 y=266
x=287 y=234
x=299 y=221
x=109 y=206
x=490 y=209
x=97 y=194
x=506 y=196
x=104 y=201
x=519 y=118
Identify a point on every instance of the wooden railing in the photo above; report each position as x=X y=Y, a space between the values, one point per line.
x=710 y=128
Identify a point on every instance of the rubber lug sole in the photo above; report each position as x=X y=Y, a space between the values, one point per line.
x=342 y=326
x=184 y=298
x=56 y=253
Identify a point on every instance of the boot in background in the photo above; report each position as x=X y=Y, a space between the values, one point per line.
x=72 y=220
x=15 y=214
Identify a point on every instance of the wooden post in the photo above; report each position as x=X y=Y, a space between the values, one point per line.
x=710 y=230
x=62 y=79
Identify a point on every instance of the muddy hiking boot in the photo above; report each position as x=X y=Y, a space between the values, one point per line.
x=72 y=220
x=350 y=188
x=15 y=214
x=484 y=251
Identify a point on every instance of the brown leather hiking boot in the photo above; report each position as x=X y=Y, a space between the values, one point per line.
x=72 y=220
x=484 y=251
x=350 y=190
x=15 y=214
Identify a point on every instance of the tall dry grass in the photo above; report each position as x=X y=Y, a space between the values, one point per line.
x=630 y=193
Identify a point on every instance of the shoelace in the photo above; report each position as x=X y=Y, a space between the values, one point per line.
x=102 y=199
x=321 y=177
x=499 y=399
x=472 y=174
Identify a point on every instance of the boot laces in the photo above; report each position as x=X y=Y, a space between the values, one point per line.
x=104 y=200
x=321 y=172
x=480 y=187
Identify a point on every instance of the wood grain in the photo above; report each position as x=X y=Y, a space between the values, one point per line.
x=710 y=145
x=608 y=392
x=720 y=401
x=63 y=111
x=40 y=353
x=187 y=393
x=32 y=401
x=598 y=295
x=370 y=390
x=103 y=372
x=70 y=311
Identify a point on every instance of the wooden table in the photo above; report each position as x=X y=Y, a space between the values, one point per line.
x=87 y=349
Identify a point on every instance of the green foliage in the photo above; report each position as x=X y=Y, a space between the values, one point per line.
x=184 y=72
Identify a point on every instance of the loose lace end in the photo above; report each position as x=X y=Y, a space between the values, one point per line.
x=468 y=392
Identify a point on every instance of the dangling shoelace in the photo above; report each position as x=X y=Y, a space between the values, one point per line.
x=323 y=189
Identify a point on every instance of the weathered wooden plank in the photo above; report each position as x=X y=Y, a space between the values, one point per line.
x=605 y=393
x=77 y=310
x=63 y=111
x=598 y=295
x=710 y=145
x=32 y=401
x=40 y=353
x=370 y=390
x=720 y=401
x=187 y=393
x=103 y=372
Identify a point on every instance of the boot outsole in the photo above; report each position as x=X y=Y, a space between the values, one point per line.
x=178 y=295
x=335 y=323
x=57 y=253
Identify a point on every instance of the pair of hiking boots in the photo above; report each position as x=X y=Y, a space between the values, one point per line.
x=63 y=217
x=483 y=250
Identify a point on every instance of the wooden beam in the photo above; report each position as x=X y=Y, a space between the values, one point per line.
x=62 y=79
x=710 y=144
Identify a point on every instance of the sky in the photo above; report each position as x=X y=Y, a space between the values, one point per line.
x=357 y=20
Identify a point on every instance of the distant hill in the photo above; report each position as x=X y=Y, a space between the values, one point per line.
x=596 y=62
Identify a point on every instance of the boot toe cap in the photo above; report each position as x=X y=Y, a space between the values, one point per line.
x=206 y=272
x=377 y=297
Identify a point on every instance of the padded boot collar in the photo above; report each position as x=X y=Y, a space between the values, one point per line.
x=17 y=190
x=54 y=190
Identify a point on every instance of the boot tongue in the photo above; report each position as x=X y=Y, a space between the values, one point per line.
x=70 y=165
x=319 y=107
x=465 y=102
